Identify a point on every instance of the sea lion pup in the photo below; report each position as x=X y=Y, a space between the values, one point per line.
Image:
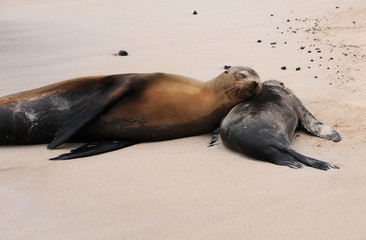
x=117 y=111
x=263 y=127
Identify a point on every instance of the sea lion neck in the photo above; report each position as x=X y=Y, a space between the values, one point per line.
x=219 y=83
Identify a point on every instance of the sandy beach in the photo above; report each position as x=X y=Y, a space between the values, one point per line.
x=181 y=189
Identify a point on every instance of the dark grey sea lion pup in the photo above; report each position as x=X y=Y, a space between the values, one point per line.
x=263 y=127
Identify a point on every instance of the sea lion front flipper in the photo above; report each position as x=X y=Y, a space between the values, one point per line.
x=312 y=125
x=90 y=107
x=95 y=148
x=214 y=137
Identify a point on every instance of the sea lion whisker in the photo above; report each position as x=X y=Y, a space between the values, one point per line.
x=237 y=91
x=242 y=91
x=226 y=92
x=233 y=91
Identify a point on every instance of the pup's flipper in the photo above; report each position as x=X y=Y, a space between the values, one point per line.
x=280 y=157
x=311 y=162
x=293 y=159
x=312 y=125
x=214 y=138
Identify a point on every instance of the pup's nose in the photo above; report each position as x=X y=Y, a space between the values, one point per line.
x=255 y=83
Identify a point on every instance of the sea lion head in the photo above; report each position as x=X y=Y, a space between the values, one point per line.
x=242 y=83
x=277 y=84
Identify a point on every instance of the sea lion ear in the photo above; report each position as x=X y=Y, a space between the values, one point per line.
x=226 y=67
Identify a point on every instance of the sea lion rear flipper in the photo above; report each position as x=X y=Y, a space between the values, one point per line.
x=291 y=158
x=280 y=157
x=311 y=161
x=95 y=148
x=90 y=107
x=312 y=125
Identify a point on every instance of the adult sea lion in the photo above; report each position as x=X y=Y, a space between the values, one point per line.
x=117 y=111
x=263 y=127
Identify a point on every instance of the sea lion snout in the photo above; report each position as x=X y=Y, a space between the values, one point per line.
x=257 y=86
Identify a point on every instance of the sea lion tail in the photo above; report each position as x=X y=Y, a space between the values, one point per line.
x=95 y=148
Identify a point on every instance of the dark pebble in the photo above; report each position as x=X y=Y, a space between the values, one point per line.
x=271 y=15
x=311 y=60
x=122 y=53
x=288 y=20
x=273 y=43
x=195 y=12
x=259 y=41
x=283 y=68
x=298 y=69
x=309 y=51
x=316 y=77
x=302 y=48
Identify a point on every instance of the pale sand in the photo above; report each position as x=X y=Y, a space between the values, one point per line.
x=181 y=189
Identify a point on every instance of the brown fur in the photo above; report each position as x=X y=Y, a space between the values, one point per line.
x=144 y=107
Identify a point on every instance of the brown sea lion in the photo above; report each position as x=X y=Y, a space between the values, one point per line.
x=121 y=110
x=263 y=127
